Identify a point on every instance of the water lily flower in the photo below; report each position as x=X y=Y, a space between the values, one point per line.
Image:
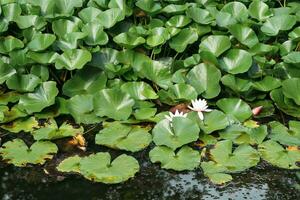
x=176 y=114
x=200 y=106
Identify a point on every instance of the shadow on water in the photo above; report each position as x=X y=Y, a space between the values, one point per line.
x=261 y=182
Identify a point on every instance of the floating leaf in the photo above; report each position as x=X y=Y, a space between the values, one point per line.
x=50 y=131
x=278 y=23
x=86 y=81
x=41 y=42
x=139 y=90
x=70 y=164
x=121 y=136
x=289 y=87
x=213 y=121
x=42 y=97
x=244 y=34
x=183 y=39
x=236 y=61
x=205 y=79
x=23 y=124
x=235 y=107
x=10 y=43
x=199 y=15
x=286 y=136
x=275 y=154
x=98 y=167
x=259 y=10
x=176 y=133
x=113 y=103
x=184 y=159
x=16 y=152
x=73 y=59
x=95 y=34
x=216 y=44
x=23 y=83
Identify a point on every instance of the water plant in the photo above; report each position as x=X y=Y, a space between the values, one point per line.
x=205 y=85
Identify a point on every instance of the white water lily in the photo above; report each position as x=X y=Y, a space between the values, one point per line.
x=200 y=106
x=176 y=114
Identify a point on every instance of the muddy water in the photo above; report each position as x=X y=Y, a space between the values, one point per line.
x=261 y=182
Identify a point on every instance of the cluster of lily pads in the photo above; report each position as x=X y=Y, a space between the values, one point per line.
x=126 y=63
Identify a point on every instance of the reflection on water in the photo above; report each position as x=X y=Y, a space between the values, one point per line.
x=150 y=183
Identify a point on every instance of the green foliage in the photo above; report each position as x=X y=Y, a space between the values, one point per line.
x=97 y=61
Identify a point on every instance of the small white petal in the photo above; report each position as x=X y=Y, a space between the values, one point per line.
x=201 y=116
x=208 y=110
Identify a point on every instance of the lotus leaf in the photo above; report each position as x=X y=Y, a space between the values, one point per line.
x=236 y=61
x=121 y=136
x=23 y=83
x=86 y=81
x=278 y=23
x=73 y=59
x=42 y=97
x=176 y=133
x=22 y=124
x=184 y=159
x=113 y=103
x=205 y=79
x=284 y=135
x=50 y=131
x=216 y=44
x=235 y=107
x=16 y=152
x=99 y=167
x=41 y=42
x=139 y=90
x=213 y=121
x=275 y=154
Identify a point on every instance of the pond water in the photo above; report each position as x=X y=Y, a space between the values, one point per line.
x=261 y=182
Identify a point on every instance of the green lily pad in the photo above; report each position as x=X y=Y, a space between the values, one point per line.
x=284 y=135
x=184 y=159
x=267 y=84
x=235 y=83
x=23 y=83
x=10 y=43
x=70 y=164
x=205 y=79
x=278 y=23
x=139 y=90
x=292 y=57
x=289 y=87
x=214 y=172
x=121 y=136
x=16 y=152
x=50 y=131
x=110 y=17
x=42 y=97
x=275 y=154
x=200 y=15
x=259 y=10
x=6 y=72
x=113 y=103
x=176 y=133
x=95 y=34
x=235 y=107
x=185 y=37
x=129 y=40
x=86 y=81
x=81 y=107
x=243 y=157
x=236 y=61
x=41 y=42
x=73 y=59
x=213 y=121
x=244 y=34
x=99 y=168
x=23 y=124
x=216 y=44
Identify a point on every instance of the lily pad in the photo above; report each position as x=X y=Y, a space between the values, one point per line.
x=236 y=61
x=205 y=79
x=286 y=136
x=275 y=154
x=213 y=121
x=216 y=44
x=41 y=98
x=16 y=152
x=70 y=164
x=139 y=90
x=121 y=136
x=50 y=131
x=73 y=59
x=99 y=168
x=289 y=87
x=278 y=23
x=176 y=133
x=235 y=107
x=184 y=159
x=113 y=103
x=23 y=124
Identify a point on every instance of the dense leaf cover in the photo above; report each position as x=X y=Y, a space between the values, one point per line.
x=94 y=61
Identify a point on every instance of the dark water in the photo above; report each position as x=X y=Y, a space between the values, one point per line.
x=261 y=182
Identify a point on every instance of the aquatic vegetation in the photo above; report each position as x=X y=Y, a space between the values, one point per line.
x=214 y=84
